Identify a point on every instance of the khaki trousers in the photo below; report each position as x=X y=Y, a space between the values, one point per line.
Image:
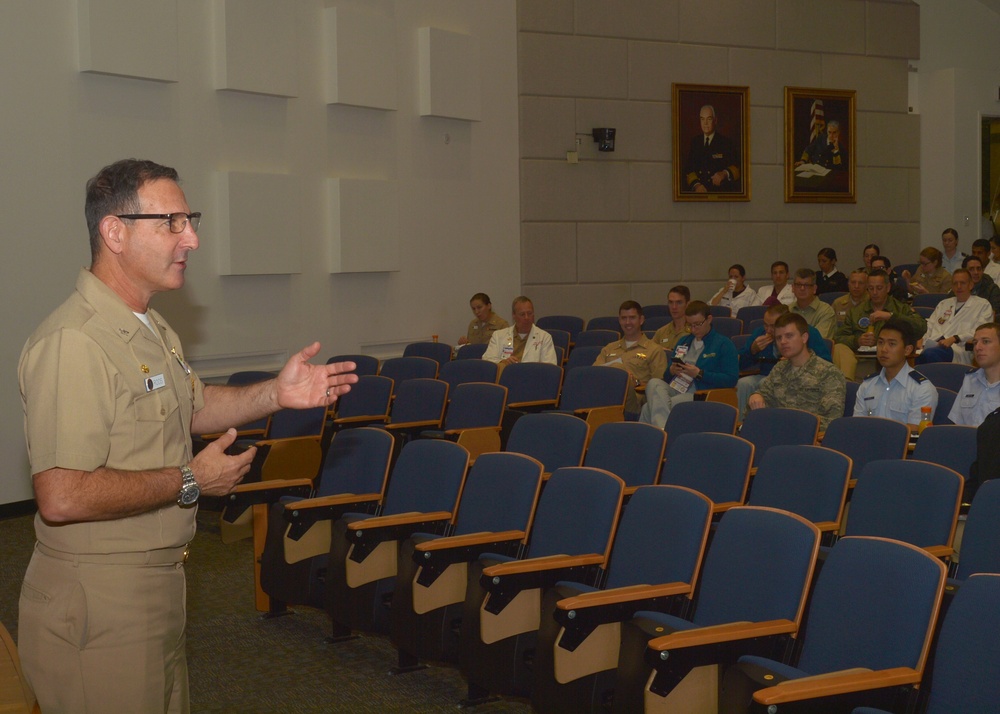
x=103 y=637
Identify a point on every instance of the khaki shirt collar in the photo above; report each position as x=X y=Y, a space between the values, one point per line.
x=111 y=308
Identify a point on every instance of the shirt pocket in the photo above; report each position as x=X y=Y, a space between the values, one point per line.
x=967 y=400
x=155 y=412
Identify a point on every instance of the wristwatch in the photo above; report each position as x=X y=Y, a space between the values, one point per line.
x=190 y=490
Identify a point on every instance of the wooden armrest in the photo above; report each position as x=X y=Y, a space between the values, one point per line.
x=505 y=581
x=581 y=615
x=469 y=539
x=940 y=551
x=414 y=424
x=454 y=432
x=835 y=683
x=327 y=501
x=247 y=495
x=725 y=506
x=549 y=562
x=533 y=403
x=600 y=598
x=827 y=526
x=288 y=440
x=382 y=418
x=240 y=434
x=367 y=534
x=436 y=555
x=727 y=632
x=279 y=483
x=400 y=519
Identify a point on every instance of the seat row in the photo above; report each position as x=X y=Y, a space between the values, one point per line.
x=503 y=575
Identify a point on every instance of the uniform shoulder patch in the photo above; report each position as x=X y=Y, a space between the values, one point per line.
x=872 y=376
x=917 y=376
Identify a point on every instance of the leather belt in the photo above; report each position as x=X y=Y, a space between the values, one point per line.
x=160 y=556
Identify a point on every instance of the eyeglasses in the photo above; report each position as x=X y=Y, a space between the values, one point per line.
x=696 y=325
x=178 y=221
x=803 y=285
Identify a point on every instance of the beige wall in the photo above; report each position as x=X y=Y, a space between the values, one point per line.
x=457 y=181
x=606 y=229
x=956 y=86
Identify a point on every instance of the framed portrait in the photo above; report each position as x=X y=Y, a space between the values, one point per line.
x=711 y=142
x=819 y=145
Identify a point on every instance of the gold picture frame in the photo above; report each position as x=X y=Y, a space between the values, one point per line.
x=820 y=152
x=717 y=169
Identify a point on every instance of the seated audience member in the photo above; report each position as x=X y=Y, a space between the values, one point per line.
x=829 y=279
x=762 y=352
x=801 y=380
x=779 y=290
x=897 y=391
x=982 y=250
x=635 y=353
x=702 y=360
x=524 y=341
x=485 y=322
x=816 y=312
x=980 y=393
x=982 y=284
x=867 y=253
x=677 y=301
x=953 y=323
x=862 y=324
x=857 y=290
x=951 y=256
x=735 y=293
x=995 y=251
x=930 y=277
x=897 y=288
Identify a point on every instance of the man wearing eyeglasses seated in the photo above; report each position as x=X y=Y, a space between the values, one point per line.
x=702 y=360
x=110 y=404
x=816 y=312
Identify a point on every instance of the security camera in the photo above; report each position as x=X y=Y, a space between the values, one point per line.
x=605 y=139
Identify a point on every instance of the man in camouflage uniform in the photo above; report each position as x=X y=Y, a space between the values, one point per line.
x=862 y=325
x=801 y=380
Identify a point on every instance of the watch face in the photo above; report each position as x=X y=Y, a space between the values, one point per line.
x=189 y=494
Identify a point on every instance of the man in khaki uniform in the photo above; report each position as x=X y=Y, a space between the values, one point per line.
x=857 y=290
x=110 y=405
x=638 y=355
x=677 y=301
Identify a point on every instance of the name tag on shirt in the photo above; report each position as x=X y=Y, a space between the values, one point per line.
x=155 y=382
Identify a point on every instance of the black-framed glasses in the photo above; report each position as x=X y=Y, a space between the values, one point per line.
x=177 y=221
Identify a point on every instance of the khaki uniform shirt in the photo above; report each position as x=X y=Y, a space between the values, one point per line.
x=479 y=332
x=100 y=389
x=938 y=281
x=819 y=315
x=667 y=336
x=643 y=360
x=841 y=306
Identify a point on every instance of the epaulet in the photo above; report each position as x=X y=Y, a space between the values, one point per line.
x=917 y=376
x=871 y=376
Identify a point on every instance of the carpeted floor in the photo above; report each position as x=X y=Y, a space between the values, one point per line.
x=240 y=663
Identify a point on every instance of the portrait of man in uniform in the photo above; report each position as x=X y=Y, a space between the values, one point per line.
x=819 y=145
x=711 y=143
